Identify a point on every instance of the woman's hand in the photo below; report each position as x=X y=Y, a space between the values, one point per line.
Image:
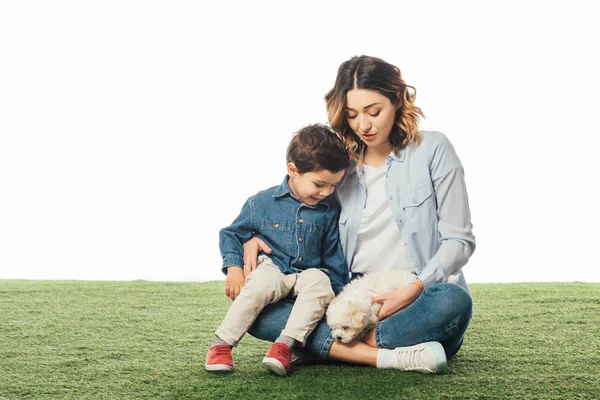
x=251 y=249
x=399 y=299
x=234 y=281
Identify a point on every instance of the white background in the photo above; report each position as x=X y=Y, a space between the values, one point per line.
x=132 y=131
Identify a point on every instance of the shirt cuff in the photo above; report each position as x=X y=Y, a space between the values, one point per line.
x=231 y=260
x=433 y=272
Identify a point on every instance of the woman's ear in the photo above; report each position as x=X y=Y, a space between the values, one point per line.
x=292 y=170
x=399 y=101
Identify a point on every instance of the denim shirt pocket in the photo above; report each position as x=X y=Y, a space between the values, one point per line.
x=419 y=209
x=279 y=233
x=314 y=239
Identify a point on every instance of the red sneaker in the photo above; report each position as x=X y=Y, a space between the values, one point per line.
x=278 y=359
x=219 y=358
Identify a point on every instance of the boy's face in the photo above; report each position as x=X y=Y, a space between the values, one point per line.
x=312 y=187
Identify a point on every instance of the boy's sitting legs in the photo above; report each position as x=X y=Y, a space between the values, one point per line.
x=313 y=292
x=263 y=286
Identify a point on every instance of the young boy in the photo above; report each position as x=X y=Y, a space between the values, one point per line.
x=299 y=222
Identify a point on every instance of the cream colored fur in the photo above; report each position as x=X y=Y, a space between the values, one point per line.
x=352 y=313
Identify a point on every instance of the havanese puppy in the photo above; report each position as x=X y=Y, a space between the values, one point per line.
x=352 y=313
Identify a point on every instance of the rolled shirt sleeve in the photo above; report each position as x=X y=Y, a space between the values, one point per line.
x=232 y=237
x=457 y=242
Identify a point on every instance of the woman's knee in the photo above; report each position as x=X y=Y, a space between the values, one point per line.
x=453 y=300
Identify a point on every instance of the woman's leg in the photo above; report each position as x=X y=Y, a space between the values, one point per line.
x=357 y=352
x=441 y=314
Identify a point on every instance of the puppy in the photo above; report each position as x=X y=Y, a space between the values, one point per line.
x=352 y=313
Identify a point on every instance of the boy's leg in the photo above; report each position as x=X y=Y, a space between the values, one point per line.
x=313 y=292
x=265 y=285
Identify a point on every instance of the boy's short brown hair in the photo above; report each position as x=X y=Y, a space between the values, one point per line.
x=317 y=147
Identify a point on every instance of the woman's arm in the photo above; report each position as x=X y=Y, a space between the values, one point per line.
x=251 y=249
x=399 y=299
x=457 y=242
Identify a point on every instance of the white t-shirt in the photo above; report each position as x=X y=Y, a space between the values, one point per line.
x=379 y=243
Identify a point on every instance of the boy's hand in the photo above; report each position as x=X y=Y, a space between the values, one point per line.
x=234 y=282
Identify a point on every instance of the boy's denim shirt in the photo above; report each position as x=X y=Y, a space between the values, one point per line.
x=301 y=236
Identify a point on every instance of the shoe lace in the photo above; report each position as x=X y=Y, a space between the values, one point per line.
x=410 y=359
x=222 y=351
x=283 y=351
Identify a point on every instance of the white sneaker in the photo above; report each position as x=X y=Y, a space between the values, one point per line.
x=429 y=358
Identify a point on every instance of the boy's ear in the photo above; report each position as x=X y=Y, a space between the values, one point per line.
x=292 y=170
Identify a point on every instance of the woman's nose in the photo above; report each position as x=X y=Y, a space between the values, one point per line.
x=364 y=124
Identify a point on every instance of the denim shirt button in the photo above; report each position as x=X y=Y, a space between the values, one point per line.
x=300 y=240
x=300 y=221
x=276 y=225
x=301 y=259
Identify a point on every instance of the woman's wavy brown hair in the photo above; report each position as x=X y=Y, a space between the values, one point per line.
x=364 y=72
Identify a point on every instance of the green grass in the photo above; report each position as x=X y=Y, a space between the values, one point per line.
x=145 y=340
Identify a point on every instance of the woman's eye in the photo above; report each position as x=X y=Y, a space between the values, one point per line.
x=376 y=114
x=319 y=185
x=351 y=116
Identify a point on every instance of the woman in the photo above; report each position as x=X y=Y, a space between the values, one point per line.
x=404 y=205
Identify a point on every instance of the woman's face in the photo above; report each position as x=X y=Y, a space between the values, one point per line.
x=371 y=116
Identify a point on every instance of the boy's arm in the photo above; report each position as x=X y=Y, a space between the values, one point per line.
x=230 y=245
x=232 y=237
x=332 y=256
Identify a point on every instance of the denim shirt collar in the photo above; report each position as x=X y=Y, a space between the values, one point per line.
x=284 y=189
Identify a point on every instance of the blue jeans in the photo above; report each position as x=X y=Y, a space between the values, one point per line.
x=442 y=313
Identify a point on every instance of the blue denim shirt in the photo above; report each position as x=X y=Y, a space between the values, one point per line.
x=301 y=236
x=426 y=193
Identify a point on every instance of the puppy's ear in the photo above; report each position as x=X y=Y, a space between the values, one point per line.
x=350 y=307
x=328 y=306
x=372 y=319
x=357 y=317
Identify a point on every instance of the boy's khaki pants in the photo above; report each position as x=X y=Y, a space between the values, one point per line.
x=266 y=285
